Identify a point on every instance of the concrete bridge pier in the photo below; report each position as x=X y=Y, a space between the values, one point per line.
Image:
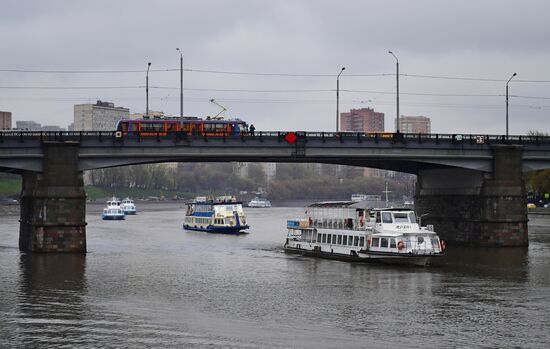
x=474 y=208
x=53 y=203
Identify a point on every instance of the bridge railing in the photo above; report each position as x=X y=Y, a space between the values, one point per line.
x=280 y=135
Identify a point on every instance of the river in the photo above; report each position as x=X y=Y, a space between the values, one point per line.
x=146 y=283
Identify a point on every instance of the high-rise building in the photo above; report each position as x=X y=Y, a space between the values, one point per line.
x=414 y=124
x=101 y=116
x=5 y=120
x=362 y=120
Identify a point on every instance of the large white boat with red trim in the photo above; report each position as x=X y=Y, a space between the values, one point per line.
x=348 y=230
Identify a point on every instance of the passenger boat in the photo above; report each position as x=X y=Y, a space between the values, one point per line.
x=348 y=230
x=259 y=202
x=220 y=215
x=128 y=206
x=113 y=210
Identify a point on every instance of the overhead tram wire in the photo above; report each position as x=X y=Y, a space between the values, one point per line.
x=209 y=71
x=258 y=91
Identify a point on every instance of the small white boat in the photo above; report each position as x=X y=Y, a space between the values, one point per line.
x=347 y=230
x=128 y=206
x=113 y=211
x=113 y=214
x=259 y=202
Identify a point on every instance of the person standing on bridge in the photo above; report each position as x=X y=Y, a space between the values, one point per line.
x=252 y=129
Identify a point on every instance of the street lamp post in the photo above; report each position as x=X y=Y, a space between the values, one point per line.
x=507 y=82
x=181 y=85
x=338 y=98
x=397 y=99
x=147 y=90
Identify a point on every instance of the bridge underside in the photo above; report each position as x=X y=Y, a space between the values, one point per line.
x=477 y=209
x=481 y=204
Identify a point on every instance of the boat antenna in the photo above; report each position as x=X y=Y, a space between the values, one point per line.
x=219 y=105
x=387 y=192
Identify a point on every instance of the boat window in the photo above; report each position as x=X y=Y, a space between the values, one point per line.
x=378 y=217
x=392 y=243
x=412 y=217
x=362 y=241
x=356 y=241
x=345 y=241
x=319 y=237
x=339 y=239
x=324 y=238
x=401 y=217
x=375 y=242
x=384 y=242
x=334 y=239
x=386 y=217
x=350 y=240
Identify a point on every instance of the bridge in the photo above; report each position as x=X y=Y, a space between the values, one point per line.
x=471 y=185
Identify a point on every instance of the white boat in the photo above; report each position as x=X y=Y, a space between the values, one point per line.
x=259 y=202
x=222 y=215
x=128 y=206
x=349 y=231
x=113 y=211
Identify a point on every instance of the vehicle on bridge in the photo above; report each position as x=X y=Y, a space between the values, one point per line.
x=188 y=126
x=348 y=230
x=223 y=215
x=113 y=211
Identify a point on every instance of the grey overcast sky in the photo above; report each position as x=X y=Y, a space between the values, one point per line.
x=481 y=39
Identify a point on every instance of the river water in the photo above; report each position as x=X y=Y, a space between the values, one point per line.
x=146 y=283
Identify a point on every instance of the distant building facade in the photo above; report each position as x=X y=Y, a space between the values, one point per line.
x=28 y=125
x=101 y=116
x=414 y=124
x=52 y=128
x=362 y=120
x=5 y=120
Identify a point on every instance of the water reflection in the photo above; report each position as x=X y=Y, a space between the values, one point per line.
x=503 y=263
x=51 y=307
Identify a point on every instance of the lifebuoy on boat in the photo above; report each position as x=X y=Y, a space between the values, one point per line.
x=400 y=245
x=442 y=245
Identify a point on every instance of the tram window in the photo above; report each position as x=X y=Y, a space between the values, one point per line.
x=339 y=239
x=384 y=242
x=345 y=241
x=124 y=127
x=362 y=241
x=412 y=217
x=356 y=241
x=375 y=242
x=400 y=217
x=392 y=243
x=324 y=238
x=386 y=217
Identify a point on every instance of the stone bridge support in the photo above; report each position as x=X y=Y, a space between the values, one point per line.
x=474 y=208
x=53 y=203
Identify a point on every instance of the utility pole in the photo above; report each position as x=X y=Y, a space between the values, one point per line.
x=181 y=86
x=397 y=99
x=507 y=102
x=147 y=90
x=338 y=99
